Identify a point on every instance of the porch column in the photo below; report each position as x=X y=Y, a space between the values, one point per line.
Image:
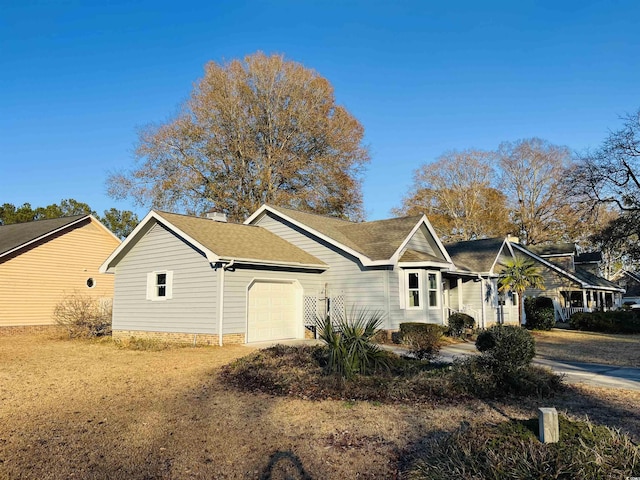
x=585 y=306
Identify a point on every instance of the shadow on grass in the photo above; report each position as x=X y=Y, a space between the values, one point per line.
x=285 y=466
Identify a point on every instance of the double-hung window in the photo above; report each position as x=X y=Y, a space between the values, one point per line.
x=432 y=289
x=414 y=289
x=160 y=285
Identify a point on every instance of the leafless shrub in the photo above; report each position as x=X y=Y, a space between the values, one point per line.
x=84 y=316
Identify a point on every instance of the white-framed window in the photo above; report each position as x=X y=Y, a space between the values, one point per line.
x=432 y=289
x=414 y=289
x=160 y=285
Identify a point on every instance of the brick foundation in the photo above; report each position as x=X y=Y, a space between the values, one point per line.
x=176 y=337
x=31 y=330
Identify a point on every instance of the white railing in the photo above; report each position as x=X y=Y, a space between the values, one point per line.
x=464 y=309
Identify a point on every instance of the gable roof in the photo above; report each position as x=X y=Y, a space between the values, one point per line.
x=560 y=248
x=221 y=241
x=377 y=242
x=582 y=277
x=477 y=256
x=19 y=235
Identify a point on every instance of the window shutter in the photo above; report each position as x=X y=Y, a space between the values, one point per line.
x=151 y=285
x=169 y=290
x=402 y=291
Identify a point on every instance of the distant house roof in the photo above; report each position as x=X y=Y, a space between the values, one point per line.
x=19 y=235
x=377 y=240
x=552 y=249
x=475 y=255
x=589 y=257
x=221 y=241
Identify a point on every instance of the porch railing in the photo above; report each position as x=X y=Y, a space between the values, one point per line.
x=464 y=309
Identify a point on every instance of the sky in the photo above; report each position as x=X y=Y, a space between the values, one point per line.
x=78 y=79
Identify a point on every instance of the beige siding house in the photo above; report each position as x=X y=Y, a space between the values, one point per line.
x=42 y=261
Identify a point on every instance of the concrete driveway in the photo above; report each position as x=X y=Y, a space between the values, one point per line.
x=608 y=376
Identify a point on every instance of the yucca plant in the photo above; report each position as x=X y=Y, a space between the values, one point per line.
x=349 y=342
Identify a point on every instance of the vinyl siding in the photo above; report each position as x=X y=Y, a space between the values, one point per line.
x=361 y=286
x=422 y=241
x=33 y=281
x=193 y=306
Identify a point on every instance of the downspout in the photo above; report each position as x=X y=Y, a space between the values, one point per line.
x=484 y=322
x=221 y=298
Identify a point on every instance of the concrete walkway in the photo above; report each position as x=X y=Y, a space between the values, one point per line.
x=608 y=376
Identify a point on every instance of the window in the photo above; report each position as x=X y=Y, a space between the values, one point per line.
x=159 y=285
x=433 y=289
x=91 y=282
x=413 y=290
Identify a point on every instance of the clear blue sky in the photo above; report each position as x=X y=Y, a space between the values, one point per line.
x=78 y=77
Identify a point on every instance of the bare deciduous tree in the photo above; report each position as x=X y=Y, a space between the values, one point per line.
x=532 y=174
x=254 y=131
x=457 y=194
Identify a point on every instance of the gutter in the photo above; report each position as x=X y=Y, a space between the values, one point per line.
x=221 y=271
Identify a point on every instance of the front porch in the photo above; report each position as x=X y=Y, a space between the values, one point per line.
x=570 y=302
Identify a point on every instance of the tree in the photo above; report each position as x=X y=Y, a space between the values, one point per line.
x=457 y=194
x=610 y=176
x=262 y=130
x=518 y=274
x=532 y=177
x=120 y=222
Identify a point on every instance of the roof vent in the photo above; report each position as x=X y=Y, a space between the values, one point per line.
x=216 y=216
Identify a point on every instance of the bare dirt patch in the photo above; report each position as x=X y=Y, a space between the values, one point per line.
x=602 y=348
x=75 y=409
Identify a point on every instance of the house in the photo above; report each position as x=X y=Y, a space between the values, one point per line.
x=198 y=279
x=630 y=281
x=44 y=260
x=572 y=280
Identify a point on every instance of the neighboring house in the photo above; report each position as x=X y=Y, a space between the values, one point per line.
x=44 y=260
x=630 y=281
x=572 y=280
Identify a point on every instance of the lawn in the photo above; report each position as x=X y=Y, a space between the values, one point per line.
x=571 y=345
x=76 y=409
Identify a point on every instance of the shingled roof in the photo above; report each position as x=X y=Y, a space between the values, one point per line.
x=546 y=249
x=237 y=241
x=222 y=241
x=15 y=236
x=378 y=240
x=475 y=256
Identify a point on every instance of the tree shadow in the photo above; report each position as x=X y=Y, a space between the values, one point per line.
x=284 y=466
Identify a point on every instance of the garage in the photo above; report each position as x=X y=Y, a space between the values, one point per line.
x=273 y=311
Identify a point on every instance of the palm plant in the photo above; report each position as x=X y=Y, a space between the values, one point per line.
x=517 y=275
x=350 y=343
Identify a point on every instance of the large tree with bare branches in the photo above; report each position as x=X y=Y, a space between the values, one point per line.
x=260 y=130
x=610 y=177
x=457 y=192
x=532 y=173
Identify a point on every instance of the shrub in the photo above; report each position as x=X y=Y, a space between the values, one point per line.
x=350 y=345
x=512 y=450
x=619 y=321
x=540 y=313
x=458 y=322
x=423 y=339
x=84 y=316
x=506 y=348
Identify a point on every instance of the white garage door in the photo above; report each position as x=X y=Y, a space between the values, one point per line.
x=272 y=311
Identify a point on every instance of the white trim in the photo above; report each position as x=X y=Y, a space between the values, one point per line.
x=423 y=265
x=423 y=221
x=270 y=263
x=438 y=289
x=152 y=286
x=419 y=288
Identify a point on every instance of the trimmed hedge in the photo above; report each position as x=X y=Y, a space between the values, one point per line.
x=619 y=321
x=540 y=313
x=423 y=339
x=458 y=322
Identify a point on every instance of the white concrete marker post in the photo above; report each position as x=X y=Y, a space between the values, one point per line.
x=548 y=425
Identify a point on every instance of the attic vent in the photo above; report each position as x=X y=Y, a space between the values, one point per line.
x=216 y=216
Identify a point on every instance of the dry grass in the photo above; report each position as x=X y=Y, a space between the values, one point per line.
x=77 y=409
x=607 y=349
